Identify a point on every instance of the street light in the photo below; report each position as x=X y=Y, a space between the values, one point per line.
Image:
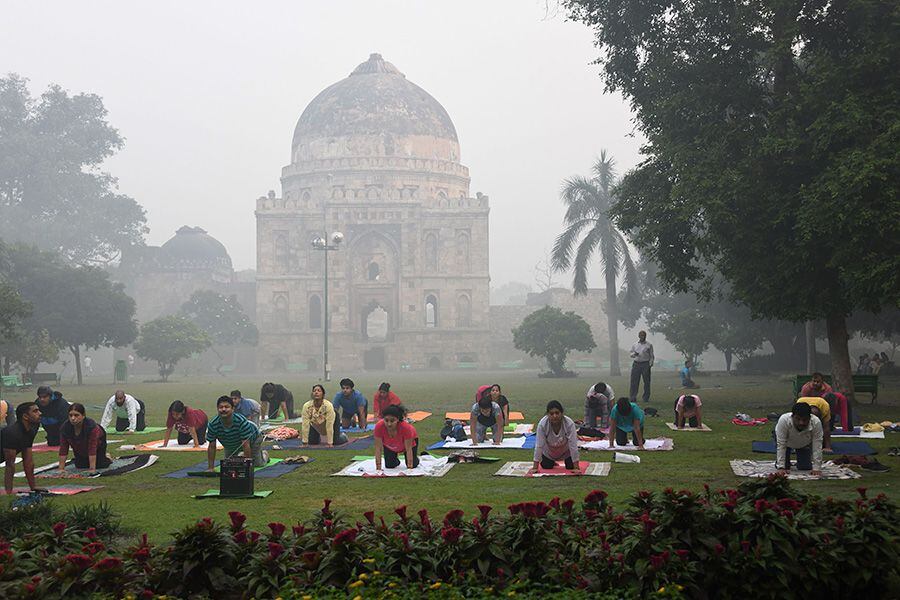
x=322 y=244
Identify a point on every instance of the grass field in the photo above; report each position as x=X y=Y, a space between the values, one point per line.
x=160 y=505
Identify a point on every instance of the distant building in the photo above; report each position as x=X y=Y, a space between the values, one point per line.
x=377 y=158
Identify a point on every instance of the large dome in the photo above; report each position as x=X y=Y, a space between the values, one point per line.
x=375 y=111
x=192 y=247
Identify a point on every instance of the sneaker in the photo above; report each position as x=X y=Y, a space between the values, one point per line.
x=876 y=466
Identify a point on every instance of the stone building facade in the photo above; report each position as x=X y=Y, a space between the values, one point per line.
x=377 y=158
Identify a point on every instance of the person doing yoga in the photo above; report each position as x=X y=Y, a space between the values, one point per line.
x=556 y=439
x=393 y=437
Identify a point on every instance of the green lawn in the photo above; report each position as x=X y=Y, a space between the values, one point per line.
x=160 y=505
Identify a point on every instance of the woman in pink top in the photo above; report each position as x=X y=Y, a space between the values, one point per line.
x=394 y=436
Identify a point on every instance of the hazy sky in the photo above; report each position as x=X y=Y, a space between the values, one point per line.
x=207 y=94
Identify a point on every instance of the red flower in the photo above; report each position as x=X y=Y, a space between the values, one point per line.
x=108 y=564
x=761 y=505
x=554 y=503
x=515 y=509
x=327 y=523
x=90 y=533
x=720 y=549
x=839 y=523
x=299 y=529
x=326 y=510
x=401 y=512
x=453 y=518
x=93 y=548
x=370 y=516
x=591 y=514
x=30 y=588
x=277 y=529
x=595 y=497
x=310 y=559
x=485 y=511
x=682 y=554
x=344 y=537
x=254 y=536
x=82 y=561
x=142 y=554
x=745 y=546
x=451 y=535
x=404 y=539
x=275 y=550
x=147 y=594
x=730 y=506
x=644 y=494
x=861 y=490
x=567 y=505
x=649 y=523
x=658 y=561
x=59 y=529
x=237 y=519
x=241 y=536
x=205 y=523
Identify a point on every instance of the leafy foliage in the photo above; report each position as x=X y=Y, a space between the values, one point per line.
x=169 y=339
x=551 y=333
x=221 y=317
x=52 y=190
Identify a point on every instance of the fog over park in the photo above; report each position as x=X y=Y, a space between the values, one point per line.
x=207 y=94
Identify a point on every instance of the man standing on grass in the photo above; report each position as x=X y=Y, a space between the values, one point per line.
x=801 y=431
x=235 y=433
x=18 y=438
x=642 y=353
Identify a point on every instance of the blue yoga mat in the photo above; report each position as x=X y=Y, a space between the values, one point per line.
x=858 y=448
x=271 y=472
x=369 y=427
x=528 y=445
x=360 y=444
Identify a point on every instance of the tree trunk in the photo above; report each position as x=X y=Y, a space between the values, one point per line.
x=76 y=352
x=810 y=347
x=838 y=348
x=612 y=323
x=728 y=356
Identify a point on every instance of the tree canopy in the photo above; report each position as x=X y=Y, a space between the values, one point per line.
x=53 y=193
x=772 y=153
x=552 y=334
x=167 y=340
x=221 y=317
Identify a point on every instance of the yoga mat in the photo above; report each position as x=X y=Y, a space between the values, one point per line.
x=282 y=421
x=703 y=427
x=119 y=466
x=173 y=446
x=369 y=427
x=360 y=457
x=513 y=428
x=270 y=471
x=521 y=468
x=653 y=444
x=17 y=461
x=764 y=468
x=61 y=490
x=852 y=448
x=358 y=444
x=416 y=415
x=515 y=443
x=147 y=430
x=216 y=494
x=43 y=447
x=858 y=433
x=429 y=466
x=202 y=472
x=464 y=416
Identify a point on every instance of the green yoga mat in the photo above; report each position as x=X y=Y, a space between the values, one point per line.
x=216 y=494
x=272 y=461
x=150 y=430
x=360 y=457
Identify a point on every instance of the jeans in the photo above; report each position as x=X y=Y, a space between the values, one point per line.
x=392 y=459
x=640 y=370
x=622 y=436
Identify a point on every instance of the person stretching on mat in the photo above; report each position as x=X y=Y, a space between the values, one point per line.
x=247 y=407
x=274 y=398
x=17 y=438
x=496 y=395
x=383 y=398
x=815 y=386
x=236 y=433
x=128 y=410
x=486 y=414
x=821 y=409
x=354 y=405
x=598 y=401
x=626 y=417
x=688 y=408
x=393 y=437
x=801 y=431
x=556 y=438
x=189 y=423
x=318 y=416
x=87 y=439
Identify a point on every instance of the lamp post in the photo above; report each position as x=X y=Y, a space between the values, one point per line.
x=322 y=244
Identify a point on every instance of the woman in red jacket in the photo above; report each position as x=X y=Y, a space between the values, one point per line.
x=383 y=398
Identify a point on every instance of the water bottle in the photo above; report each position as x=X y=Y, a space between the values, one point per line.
x=621 y=457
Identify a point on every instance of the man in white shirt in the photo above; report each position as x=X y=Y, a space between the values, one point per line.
x=801 y=431
x=642 y=353
x=598 y=402
x=128 y=410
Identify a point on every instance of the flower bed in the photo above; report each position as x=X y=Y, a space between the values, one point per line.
x=761 y=540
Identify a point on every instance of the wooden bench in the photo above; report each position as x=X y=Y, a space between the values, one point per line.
x=39 y=378
x=866 y=384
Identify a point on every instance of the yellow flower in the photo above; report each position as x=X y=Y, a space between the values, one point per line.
x=363 y=576
x=661 y=590
x=511 y=594
x=679 y=587
x=392 y=585
x=357 y=597
x=375 y=573
x=368 y=561
x=356 y=584
x=489 y=590
x=307 y=597
x=435 y=586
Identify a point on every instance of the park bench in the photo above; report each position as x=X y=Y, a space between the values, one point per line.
x=466 y=365
x=585 y=364
x=11 y=381
x=867 y=384
x=39 y=378
x=513 y=364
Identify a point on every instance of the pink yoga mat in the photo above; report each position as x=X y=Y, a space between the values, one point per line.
x=560 y=469
x=62 y=490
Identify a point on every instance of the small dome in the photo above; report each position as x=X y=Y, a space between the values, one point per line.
x=375 y=100
x=193 y=247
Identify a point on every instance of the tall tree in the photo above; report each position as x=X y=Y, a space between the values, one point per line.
x=551 y=333
x=773 y=149
x=588 y=202
x=167 y=340
x=222 y=318
x=76 y=306
x=53 y=192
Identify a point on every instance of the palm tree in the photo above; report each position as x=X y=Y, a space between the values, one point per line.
x=587 y=211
